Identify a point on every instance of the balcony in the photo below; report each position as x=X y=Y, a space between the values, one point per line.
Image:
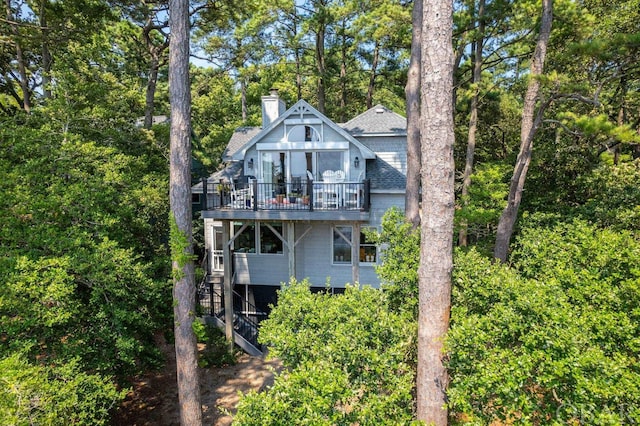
x=298 y=199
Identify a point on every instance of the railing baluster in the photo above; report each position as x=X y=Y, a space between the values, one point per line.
x=268 y=196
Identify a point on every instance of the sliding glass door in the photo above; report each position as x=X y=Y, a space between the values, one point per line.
x=278 y=167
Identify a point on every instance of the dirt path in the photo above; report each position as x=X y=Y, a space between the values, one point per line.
x=154 y=398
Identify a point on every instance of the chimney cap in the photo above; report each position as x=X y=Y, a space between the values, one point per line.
x=273 y=91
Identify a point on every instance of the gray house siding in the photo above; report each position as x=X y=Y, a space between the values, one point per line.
x=261 y=269
x=313 y=261
x=314 y=258
x=380 y=203
x=390 y=149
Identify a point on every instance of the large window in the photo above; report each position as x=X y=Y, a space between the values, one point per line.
x=329 y=160
x=273 y=167
x=303 y=133
x=270 y=243
x=246 y=241
x=262 y=236
x=342 y=238
x=342 y=244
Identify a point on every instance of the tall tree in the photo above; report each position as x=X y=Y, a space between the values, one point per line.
x=180 y=202
x=473 y=115
x=320 y=23
x=412 y=93
x=157 y=41
x=531 y=121
x=23 y=101
x=42 y=31
x=436 y=245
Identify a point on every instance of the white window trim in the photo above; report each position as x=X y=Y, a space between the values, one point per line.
x=302 y=146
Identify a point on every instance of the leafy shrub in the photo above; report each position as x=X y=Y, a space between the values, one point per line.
x=553 y=339
x=398 y=270
x=346 y=358
x=82 y=265
x=610 y=194
x=216 y=351
x=483 y=206
x=60 y=395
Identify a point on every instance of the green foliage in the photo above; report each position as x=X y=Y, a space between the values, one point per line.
x=216 y=351
x=79 y=224
x=216 y=114
x=347 y=360
x=555 y=338
x=485 y=202
x=58 y=395
x=180 y=246
x=398 y=270
x=610 y=194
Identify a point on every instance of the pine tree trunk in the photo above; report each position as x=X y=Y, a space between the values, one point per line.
x=372 y=75
x=343 y=78
x=149 y=104
x=473 y=120
x=155 y=53
x=243 y=99
x=46 y=53
x=180 y=199
x=436 y=245
x=320 y=64
x=528 y=129
x=412 y=93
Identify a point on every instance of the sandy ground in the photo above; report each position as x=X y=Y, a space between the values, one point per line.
x=154 y=398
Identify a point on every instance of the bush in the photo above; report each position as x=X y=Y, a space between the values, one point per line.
x=216 y=351
x=400 y=260
x=555 y=338
x=610 y=194
x=346 y=358
x=61 y=395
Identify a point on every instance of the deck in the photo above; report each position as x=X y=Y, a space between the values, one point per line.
x=300 y=200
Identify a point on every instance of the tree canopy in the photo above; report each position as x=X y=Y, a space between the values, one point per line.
x=84 y=172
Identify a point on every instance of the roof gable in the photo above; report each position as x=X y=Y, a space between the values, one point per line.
x=238 y=145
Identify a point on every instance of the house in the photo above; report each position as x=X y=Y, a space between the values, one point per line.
x=293 y=201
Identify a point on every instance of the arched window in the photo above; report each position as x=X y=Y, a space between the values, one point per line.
x=303 y=133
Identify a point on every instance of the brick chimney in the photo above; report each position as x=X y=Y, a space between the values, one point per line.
x=272 y=107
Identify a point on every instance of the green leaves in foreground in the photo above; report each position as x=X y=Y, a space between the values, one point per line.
x=60 y=395
x=554 y=339
x=346 y=358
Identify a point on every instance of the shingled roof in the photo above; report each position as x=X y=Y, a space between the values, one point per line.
x=383 y=176
x=240 y=137
x=378 y=120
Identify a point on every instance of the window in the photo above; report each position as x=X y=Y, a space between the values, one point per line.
x=273 y=167
x=265 y=238
x=270 y=243
x=329 y=160
x=342 y=245
x=368 y=250
x=246 y=241
x=195 y=198
x=302 y=133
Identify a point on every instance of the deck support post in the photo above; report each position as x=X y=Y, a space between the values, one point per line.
x=355 y=254
x=228 y=285
x=291 y=244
